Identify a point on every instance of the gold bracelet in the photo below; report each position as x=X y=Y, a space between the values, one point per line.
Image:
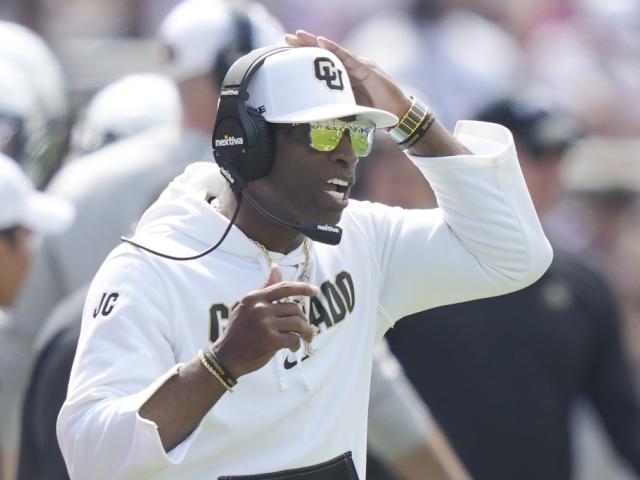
x=217 y=365
x=204 y=362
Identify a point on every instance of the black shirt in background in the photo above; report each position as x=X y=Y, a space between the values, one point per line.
x=501 y=374
x=40 y=456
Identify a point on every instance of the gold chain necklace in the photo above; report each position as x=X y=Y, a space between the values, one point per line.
x=304 y=277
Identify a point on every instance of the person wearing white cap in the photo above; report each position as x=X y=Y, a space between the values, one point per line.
x=231 y=337
x=112 y=187
x=202 y=39
x=24 y=212
x=126 y=107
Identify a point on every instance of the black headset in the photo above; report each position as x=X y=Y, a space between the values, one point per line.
x=243 y=143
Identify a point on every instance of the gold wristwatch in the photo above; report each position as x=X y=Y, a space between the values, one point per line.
x=409 y=124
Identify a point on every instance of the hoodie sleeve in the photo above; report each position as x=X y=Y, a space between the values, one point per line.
x=124 y=354
x=485 y=238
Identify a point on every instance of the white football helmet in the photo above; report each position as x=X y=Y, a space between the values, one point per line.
x=43 y=74
x=22 y=125
x=124 y=108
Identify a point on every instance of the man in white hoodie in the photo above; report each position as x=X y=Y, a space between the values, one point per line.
x=182 y=368
x=110 y=190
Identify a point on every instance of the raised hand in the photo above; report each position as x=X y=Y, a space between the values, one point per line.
x=262 y=324
x=371 y=86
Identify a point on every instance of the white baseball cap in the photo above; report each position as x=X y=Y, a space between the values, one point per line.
x=196 y=31
x=22 y=205
x=302 y=85
x=602 y=164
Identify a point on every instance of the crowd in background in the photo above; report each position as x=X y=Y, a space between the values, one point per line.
x=112 y=83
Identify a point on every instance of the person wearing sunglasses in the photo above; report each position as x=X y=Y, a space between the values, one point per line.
x=233 y=335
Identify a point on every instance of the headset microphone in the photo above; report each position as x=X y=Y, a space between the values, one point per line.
x=328 y=234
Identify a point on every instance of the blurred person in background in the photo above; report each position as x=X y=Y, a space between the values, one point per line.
x=124 y=108
x=506 y=406
x=202 y=38
x=41 y=70
x=600 y=219
x=24 y=212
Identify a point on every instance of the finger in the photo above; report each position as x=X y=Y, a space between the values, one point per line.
x=356 y=68
x=287 y=309
x=295 y=324
x=303 y=38
x=342 y=53
x=275 y=275
x=330 y=45
x=309 y=39
x=289 y=289
x=289 y=340
x=293 y=41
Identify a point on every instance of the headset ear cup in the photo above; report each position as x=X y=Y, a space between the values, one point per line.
x=258 y=160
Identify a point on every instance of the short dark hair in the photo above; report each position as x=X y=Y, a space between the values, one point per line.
x=10 y=234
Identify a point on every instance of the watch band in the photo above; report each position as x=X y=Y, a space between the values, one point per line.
x=411 y=121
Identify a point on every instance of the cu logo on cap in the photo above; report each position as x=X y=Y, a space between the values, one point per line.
x=326 y=71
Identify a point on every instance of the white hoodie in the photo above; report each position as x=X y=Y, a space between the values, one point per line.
x=145 y=316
